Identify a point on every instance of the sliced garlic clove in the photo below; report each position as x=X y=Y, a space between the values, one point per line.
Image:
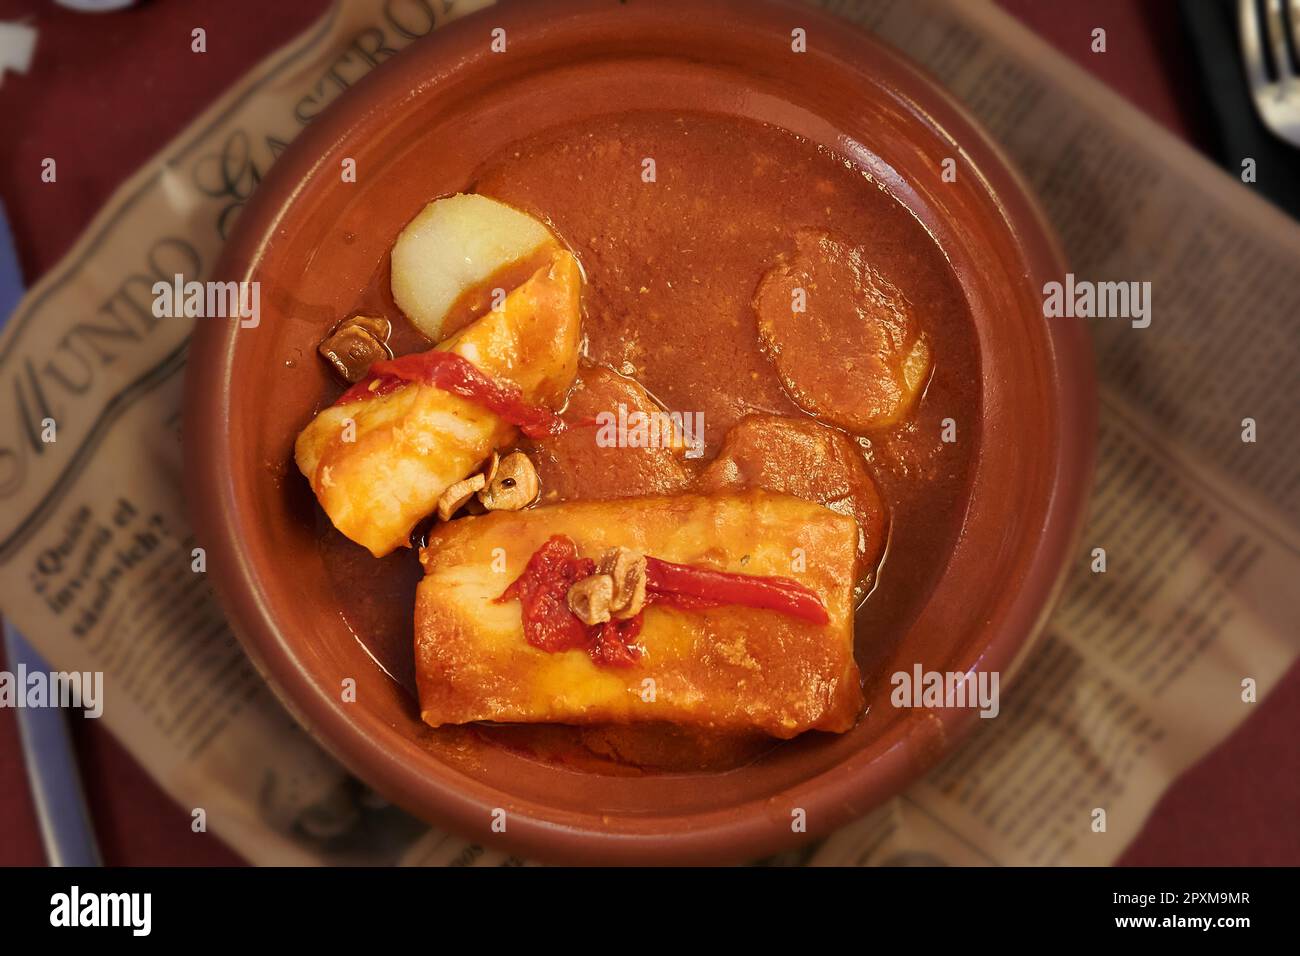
x=514 y=485
x=455 y=497
x=355 y=344
x=589 y=599
x=627 y=569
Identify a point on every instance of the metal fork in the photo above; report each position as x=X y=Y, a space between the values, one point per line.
x=1270 y=37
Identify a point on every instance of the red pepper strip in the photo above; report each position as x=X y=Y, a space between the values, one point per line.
x=453 y=373
x=696 y=585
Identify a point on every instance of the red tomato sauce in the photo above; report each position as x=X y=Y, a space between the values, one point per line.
x=542 y=591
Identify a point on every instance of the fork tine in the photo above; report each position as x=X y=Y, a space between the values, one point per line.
x=1275 y=26
x=1262 y=27
x=1252 y=45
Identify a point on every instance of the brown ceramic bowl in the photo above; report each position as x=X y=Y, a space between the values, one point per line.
x=417 y=128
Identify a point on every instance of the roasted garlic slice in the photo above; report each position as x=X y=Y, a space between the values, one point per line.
x=355 y=344
x=513 y=486
x=627 y=569
x=590 y=599
x=458 y=495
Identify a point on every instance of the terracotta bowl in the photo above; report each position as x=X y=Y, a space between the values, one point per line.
x=417 y=128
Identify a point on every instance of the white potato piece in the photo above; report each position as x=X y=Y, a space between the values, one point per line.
x=456 y=244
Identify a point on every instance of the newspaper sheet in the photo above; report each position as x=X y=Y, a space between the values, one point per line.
x=1141 y=668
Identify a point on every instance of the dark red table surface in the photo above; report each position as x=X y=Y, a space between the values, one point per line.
x=105 y=92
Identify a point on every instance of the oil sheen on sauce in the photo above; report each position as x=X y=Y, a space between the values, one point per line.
x=672 y=267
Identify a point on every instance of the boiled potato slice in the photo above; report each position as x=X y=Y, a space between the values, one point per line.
x=453 y=246
x=855 y=354
x=574 y=465
x=801 y=457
